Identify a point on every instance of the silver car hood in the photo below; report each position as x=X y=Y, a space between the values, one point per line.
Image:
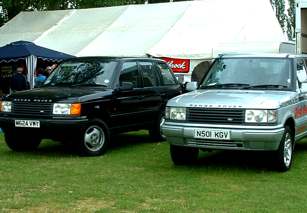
x=251 y=99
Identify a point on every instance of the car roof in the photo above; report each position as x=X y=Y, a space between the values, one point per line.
x=263 y=55
x=115 y=58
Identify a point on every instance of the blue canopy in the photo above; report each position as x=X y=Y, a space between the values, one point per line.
x=30 y=52
x=22 y=49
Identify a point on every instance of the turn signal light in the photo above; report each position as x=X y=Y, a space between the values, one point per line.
x=75 y=109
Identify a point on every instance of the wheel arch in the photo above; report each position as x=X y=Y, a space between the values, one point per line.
x=100 y=116
x=290 y=122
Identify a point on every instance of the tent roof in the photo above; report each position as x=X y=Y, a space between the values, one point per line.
x=22 y=49
x=191 y=29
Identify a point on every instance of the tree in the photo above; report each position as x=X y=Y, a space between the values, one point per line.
x=291 y=20
x=3 y=14
x=279 y=7
x=285 y=17
x=105 y=3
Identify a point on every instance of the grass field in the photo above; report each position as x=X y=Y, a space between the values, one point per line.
x=136 y=175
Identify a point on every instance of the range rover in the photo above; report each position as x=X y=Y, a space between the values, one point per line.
x=244 y=102
x=86 y=100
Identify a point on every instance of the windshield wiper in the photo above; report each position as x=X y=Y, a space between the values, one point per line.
x=267 y=86
x=56 y=85
x=89 y=84
x=228 y=85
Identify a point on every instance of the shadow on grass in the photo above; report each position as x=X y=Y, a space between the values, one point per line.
x=255 y=161
x=118 y=142
x=129 y=140
x=236 y=160
x=246 y=160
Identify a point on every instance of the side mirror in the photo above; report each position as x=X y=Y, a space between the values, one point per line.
x=124 y=86
x=191 y=86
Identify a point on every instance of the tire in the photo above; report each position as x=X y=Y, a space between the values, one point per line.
x=19 y=141
x=94 y=139
x=183 y=155
x=156 y=130
x=284 y=154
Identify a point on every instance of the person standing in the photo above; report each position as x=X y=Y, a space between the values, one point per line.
x=19 y=81
x=40 y=77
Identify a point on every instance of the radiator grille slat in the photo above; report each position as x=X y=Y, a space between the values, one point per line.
x=215 y=116
x=32 y=108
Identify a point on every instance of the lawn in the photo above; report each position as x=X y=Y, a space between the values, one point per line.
x=136 y=175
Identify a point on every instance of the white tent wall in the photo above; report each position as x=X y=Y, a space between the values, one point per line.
x=29 y=26
x=209 y=28
x=75 y=31
x=137 y=30
x=195 y=30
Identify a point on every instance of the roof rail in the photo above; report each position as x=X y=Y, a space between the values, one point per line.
x=226 y=54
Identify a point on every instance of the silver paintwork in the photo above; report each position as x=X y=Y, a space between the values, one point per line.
x=243 y=137
x=249 y=99
x=161 y=123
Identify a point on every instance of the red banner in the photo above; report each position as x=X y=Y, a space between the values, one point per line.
x=178 y=65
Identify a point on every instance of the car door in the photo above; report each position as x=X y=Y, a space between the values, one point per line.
x=301 y=108
x=169 y=86
x=127 y=110
x=151 y=101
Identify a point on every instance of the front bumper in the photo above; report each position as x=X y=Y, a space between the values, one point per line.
x=48 y=126
x=242 y=137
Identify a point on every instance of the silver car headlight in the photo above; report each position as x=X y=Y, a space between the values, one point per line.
x=177 y=113
x=6 y=106
x=260 y=116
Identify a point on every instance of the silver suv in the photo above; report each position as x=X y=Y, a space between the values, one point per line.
x=244 y=102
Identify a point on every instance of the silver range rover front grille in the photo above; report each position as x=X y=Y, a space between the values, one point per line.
x=215 y=115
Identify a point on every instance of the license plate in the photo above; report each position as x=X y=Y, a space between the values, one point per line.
x=27 y=123
x=215 y=134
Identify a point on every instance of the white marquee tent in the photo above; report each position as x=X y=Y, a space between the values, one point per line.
x=195 y=30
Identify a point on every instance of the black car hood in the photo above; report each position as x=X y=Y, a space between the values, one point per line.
x=58 y=94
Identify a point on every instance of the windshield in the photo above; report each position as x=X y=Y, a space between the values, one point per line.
x=75 y=73
x=246 y=73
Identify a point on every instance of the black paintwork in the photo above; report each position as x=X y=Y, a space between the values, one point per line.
x=122 y=110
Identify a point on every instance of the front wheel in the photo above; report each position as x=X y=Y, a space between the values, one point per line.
x=94 y=139
x=284 y=154
x=19 y=141
x=183 y=155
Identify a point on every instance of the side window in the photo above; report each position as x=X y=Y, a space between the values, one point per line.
x=129 y=73
x=148 y=73
x=166 y=74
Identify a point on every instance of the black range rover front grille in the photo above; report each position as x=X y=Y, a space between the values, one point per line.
x=37 y=109
x=215 y=115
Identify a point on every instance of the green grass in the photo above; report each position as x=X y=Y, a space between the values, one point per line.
x=136 y=175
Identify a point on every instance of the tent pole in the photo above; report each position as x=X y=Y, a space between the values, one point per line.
x=31 y=62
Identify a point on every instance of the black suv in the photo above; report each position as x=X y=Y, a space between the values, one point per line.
x=85 y=100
